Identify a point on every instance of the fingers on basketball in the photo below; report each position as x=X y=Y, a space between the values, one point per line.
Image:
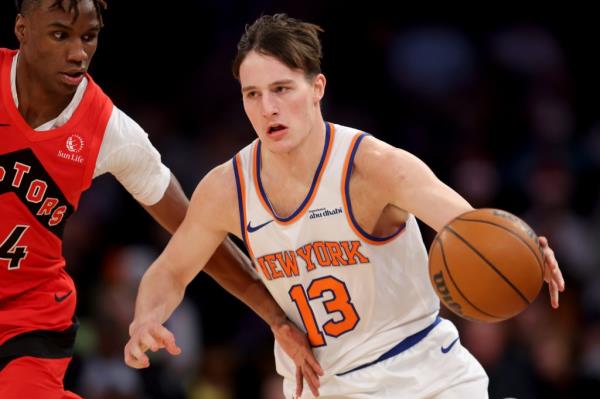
x=486 y=265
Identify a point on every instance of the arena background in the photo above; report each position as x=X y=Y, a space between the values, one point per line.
x=502 y=104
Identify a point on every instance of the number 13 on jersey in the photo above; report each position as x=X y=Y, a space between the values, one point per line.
x=340 y=303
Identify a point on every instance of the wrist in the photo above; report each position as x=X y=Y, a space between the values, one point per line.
x=138 y=322
x=277 y=321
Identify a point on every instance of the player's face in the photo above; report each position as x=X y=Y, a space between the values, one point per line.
x=55 y=48
x=281 y=103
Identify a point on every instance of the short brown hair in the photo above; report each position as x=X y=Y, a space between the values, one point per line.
x=291 y=41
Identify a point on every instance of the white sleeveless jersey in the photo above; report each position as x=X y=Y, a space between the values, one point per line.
x=354 y=294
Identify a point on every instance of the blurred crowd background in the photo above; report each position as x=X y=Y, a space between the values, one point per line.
x=502 y=106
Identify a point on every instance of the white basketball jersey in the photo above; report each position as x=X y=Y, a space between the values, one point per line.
x=354 y=294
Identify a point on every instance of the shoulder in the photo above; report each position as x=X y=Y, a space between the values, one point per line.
x=374 y=156
x=5 y=52
x=123 y=123
x=125 y=144
x=124 y=132
x=218 y=187
x=382 y=164
x=215 y=199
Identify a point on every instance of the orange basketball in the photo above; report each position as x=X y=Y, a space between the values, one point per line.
x=486 y=265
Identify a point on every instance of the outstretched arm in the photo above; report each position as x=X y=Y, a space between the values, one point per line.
x=163 y=285
x=409 y=184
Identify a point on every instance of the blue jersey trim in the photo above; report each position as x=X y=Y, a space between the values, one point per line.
x=349 y=201
x=240 y=203
x=312 y=186
x=403 y=345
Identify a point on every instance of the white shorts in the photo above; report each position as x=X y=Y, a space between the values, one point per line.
x=423 y=371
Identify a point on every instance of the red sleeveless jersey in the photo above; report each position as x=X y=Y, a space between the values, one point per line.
x=42 y=176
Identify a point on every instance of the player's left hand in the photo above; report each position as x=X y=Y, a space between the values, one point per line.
x=552 y=273
x=295 y=344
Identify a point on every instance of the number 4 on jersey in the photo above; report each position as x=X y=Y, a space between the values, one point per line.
x=9 y=249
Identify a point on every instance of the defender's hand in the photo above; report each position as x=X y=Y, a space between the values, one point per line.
x=295 y=344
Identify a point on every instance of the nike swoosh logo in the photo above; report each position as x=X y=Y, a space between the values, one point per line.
x=62 y=298
x=252 y=229
x=447 y=349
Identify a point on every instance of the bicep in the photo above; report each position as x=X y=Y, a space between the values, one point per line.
x=409 y=184
x=127 y=153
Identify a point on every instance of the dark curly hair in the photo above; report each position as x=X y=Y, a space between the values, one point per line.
x=24 y=6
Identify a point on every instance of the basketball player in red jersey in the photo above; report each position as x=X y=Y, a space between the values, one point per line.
x=58 y=131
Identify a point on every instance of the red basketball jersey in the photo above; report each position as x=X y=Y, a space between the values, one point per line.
x=42 y=175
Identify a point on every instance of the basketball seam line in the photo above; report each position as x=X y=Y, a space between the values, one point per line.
x=540 y=263
x=490 y=264
x=456 y=285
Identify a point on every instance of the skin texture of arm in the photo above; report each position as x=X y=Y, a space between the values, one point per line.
x=228 y=264
x=199 y=236
x=163 y=285
x=170 y=210
x=407 y=183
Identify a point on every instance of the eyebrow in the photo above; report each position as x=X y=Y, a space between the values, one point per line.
x=60 y=25
x=276 y=83
x=248 y=88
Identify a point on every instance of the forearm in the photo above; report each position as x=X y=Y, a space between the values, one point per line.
x=259 y=299
x=170 y=210
x=229 y=267
x=160 y=292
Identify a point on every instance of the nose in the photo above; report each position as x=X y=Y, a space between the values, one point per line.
x=269 y=105
x=77 y=53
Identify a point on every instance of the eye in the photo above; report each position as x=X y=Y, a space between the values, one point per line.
x=251 y=94
x=90 y=37
x=281 y=89
x=59 y=35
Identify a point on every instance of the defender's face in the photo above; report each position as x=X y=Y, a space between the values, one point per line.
x=282 y=105
x=57 y=48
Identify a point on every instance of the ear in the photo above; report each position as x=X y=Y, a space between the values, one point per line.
x=20 y=28
x=319 y=84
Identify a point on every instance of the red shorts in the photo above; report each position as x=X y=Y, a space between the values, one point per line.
x=31 y=377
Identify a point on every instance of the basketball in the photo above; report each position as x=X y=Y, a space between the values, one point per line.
x=486 y=265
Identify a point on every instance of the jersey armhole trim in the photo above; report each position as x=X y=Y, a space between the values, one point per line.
x=97 y=136
x=371 y=239
x=241 y=196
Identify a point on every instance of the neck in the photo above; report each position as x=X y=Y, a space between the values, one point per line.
x=37 y=104
x=301 y=162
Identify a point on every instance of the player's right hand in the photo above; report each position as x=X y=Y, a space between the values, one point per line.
x=148 y=336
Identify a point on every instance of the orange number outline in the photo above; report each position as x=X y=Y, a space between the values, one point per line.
x=340 y=302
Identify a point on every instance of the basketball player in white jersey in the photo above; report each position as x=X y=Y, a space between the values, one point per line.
x=328 y=215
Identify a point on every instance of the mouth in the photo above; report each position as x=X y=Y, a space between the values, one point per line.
x=73 y=77
x=276 y=129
